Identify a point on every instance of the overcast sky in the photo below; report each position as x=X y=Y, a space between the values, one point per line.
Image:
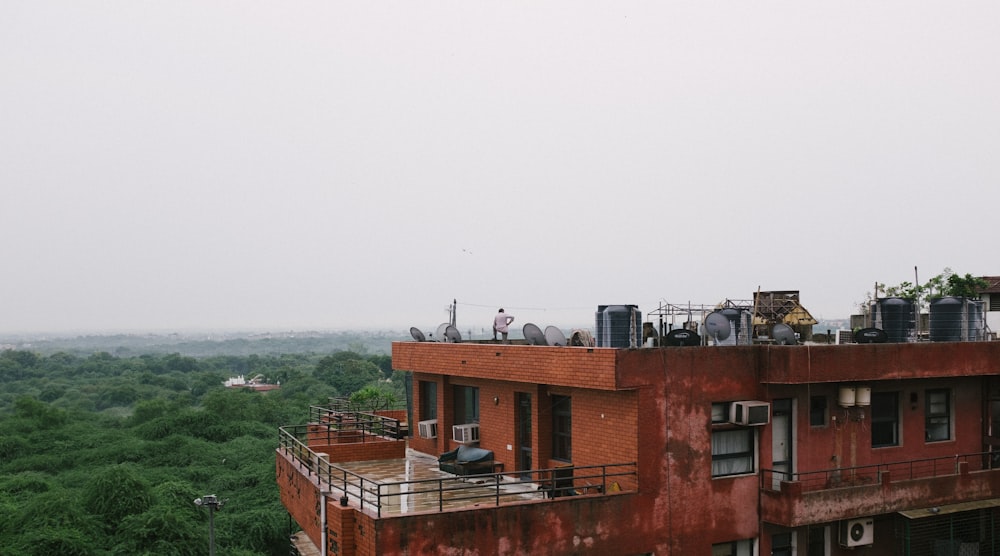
x=341 y=165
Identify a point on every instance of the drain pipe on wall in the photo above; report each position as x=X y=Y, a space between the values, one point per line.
x=322 y=520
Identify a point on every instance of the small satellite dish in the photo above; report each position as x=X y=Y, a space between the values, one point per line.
x=682 y=337
x=718 y=326
x=417 y=334
x=534 y=335
x=440 y=332
x=451 y=334
x=871 y=336
x=784 y=335
x=554 y=336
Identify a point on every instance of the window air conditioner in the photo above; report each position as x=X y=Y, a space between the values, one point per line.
x=465 y=434
x=857 y=532
x=428 y=429
x=749 y=413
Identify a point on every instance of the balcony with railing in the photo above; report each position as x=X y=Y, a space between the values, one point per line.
x=797 y=499
x=413 y=481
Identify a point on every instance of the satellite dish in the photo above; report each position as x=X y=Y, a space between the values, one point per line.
x=534 y=335
x=871 y=336
x=784 y=335
x=554 y=336
x=682 y=337
x=417 y=334
x=451 y=334
x=440 y=332
x=718 y=326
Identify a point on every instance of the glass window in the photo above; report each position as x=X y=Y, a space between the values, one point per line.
x=781 y=544
x=732 y=452
x=885 y=419
x=466 y=405
x=817 y=411
x=938 y=415
x=720 y=412
x=733 y=548
x=562 y=428
x=428 y=400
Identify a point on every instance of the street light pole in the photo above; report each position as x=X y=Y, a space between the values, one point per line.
x=213 y=504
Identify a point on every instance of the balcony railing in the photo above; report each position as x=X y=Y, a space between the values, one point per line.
x=364 y=424
x=872 y=474
x=454 y=492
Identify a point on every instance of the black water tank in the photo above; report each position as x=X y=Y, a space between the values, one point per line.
x=947 y=319
x=618 y=326
x=895 y=316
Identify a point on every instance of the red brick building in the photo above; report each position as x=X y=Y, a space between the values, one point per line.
x=808 y=450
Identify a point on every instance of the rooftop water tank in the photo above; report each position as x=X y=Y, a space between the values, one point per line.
x=618 y=326
x=956 y=319
x=896 y=316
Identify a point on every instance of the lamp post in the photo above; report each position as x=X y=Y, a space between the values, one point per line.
x=213 y=504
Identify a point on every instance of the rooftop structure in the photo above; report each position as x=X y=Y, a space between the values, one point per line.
x=700 y=448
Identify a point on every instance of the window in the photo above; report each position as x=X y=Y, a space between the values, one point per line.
x=781 y=544
x=817 y=541
x=732 y=452
x=817 y=411
x=720 y=413
x=885 y=419
x=562 y=428
x=466 y=405
x=734 y=548
x=428 y=400
x=937 y=416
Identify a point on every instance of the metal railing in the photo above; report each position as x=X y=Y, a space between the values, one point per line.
x=454 y=491
x=363 y=424
x=864 y=475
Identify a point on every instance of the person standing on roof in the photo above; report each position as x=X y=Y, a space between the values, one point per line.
x=500 y=324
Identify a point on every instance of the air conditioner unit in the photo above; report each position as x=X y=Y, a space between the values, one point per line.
x=857 y=532
x=465 y=434
x=428 y=429
x=749 y=413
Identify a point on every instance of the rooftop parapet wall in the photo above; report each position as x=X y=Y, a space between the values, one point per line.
x=583 y=367
x=862 y=362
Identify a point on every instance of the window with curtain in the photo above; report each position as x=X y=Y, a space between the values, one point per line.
x=732 y=452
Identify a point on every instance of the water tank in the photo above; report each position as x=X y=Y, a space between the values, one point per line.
x=956 y=319
x=863 y=396
x=896 y=316
x=947 y=319
x=976 y=319
x=618 y=326
x=847 y=396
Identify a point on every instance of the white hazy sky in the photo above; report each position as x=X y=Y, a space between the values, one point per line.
x=272 y=165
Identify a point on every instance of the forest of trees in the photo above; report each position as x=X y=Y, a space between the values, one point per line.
x=104 y=454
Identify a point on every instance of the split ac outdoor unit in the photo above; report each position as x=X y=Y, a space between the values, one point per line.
x=749 y=413
x=465 y=434
x=428 y=429
x=857 y=532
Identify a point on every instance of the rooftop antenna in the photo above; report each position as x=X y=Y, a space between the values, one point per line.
x=417 y=334
x=717 y=326
x=452 y=335
x=554 y=336
x=784 y=335
x=534 y=335
x=454 y=310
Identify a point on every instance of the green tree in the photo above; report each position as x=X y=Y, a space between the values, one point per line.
x=346 y=373
x=116 y=492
